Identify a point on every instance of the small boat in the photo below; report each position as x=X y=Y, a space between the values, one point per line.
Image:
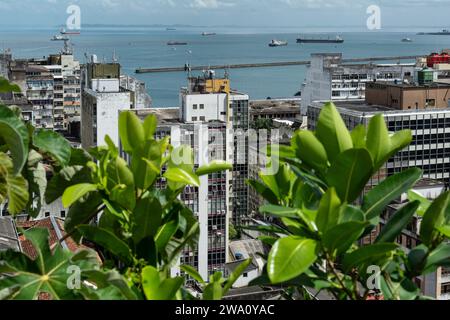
x=177 y=43
x=171 y=29
x=59 y=38
x=320 y=40
x=407 y=40
x=205 y=34
x=278 y=43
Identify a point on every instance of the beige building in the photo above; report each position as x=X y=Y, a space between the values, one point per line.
x=408 y=97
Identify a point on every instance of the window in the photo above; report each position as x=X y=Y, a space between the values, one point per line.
x=245 y=275
x=195 y=106
x=202 y=118
x=202 y=107
x=431 y=103
x=194 y=118
x=63 y=214
x=224 y=113
x=47 y=214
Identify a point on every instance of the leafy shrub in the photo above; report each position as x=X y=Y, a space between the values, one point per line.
x=316 y=195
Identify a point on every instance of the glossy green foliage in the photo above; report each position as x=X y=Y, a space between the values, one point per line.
x=324 y=207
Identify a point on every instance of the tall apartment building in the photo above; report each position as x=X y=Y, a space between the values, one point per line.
x=329 y=78
x=208 y=98
x=52 y=85
x=102 y=99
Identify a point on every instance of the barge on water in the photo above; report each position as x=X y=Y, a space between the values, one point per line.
x=320 y=40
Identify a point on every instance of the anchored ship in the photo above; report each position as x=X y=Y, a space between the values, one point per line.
x=72 y=32
x=320 y=40
x=208 y=34
x=278 y=43
x=60 y=38
x=444 y=32
x=407 y=40
x=177 y=43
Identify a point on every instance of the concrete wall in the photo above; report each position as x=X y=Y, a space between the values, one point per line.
x=215 y=107
x=405 y=98
x=106 y=119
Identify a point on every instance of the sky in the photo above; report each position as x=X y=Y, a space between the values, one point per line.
x=255 y=13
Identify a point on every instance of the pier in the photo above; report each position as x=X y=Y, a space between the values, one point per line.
x=266 y=65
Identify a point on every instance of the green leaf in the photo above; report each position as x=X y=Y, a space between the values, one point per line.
x=264 y=191
x=341 y=237
x=64 y=179
x=213 y=167
x=439 y=257
x=290 y=257
x=15 y=134
x=235 y=275
x=281 y=212
x=6 y=87
x=131 y=131
x=332 y=132
x=107 y=240
x=193 y=273
x=150 y=124
x=82 y=211
x=328 y=214
x=378 y=141
x=398 y=223
x=165 y=233
x=13 y=188
x=76 y=192
x=437 y=215
x=445 y=230
x=144 y=174
x=310 y=150
x=147 y=218
x=213 y=291
x=157 y=289
x=179 y=175
x=15 y=145
x=359 y=136
x=389 y=190
x=373 y=254
x=350 y=173
x=47 y=274
x=400 y=140
x=424 y=202
x=110 y=279
x=53 y=144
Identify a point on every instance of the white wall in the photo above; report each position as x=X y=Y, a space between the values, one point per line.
x=214 y=106
x=108 y=106
x=105 y=85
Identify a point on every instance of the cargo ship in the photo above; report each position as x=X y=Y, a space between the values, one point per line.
x=444 y=32
x=205 y=34
x=320 y=40
x=70 y=33
x=177 y=43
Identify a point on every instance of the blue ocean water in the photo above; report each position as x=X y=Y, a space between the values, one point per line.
x=146 y=47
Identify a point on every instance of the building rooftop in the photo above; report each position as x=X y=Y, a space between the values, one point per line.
x=164 y=115
x=362 y=108
x=55 y=226
x=270 y=107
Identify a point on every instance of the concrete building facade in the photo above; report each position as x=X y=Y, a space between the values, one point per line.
x=328 y=78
